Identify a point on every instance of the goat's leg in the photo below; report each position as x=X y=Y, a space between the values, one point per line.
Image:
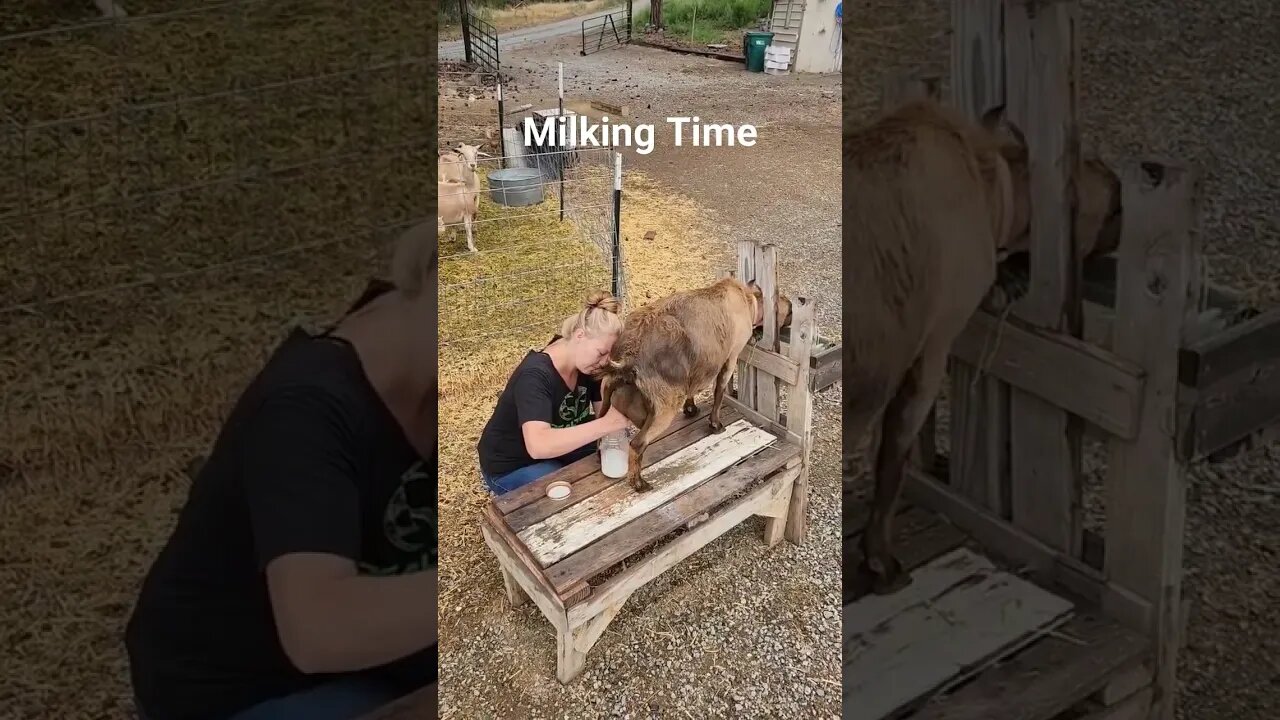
x=466 y=221
x=606 y=398
x=690 y=408
x=657 y=422
x=717 y=398
x=902 y=421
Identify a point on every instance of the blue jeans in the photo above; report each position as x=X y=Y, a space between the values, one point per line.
x=344 y=699
x=520 y=476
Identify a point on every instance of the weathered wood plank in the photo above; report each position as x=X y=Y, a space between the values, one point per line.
x=1048 y=565
x=939 y=577
x=745 y=373
x=799 y=418
x=929 y=644
x=778 y=429
x=649 y=528
x=523 y=569
x=977 y=57
x=691 y=432
x=774 y=366
x=767 y=278
x=1146 y=481
x=1135 y=707
x=979 y=405
x=1125 y=682
x=579 y=525
x=1098 y=287
x=507 y=503
x=623 y=584
x=1041 y=65
x=1104 y=389
x=1046 y=678
x=923 y=537
x=1236 y=376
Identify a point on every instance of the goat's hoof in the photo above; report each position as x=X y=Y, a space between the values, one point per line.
x=640 y=485
x=690 y=409
x=717 y=427
x=886 y=575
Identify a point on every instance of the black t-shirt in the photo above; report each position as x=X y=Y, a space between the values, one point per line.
x=310 y=460
x=535 y=391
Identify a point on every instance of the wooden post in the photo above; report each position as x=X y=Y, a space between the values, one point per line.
x=979 y=458
x=767 y=278
x=1041 y=72
x=746 y=374
x=1156 y=306
x=804 y=331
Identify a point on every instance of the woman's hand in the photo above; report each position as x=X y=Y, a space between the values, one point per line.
x=615 y=419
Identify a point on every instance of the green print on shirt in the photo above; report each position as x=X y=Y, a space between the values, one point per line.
x=410 y=524
x=575 y=409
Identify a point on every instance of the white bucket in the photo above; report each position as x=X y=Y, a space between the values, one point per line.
x=613 y=454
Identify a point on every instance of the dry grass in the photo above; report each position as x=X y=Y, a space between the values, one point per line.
x=472 y=378
x=532 y=14
x=262 y=208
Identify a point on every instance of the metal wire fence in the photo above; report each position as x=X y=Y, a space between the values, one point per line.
x=542 y=245
x=152 y=145
x=178 y=187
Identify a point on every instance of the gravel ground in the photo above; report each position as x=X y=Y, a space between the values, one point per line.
x=1192 y=81
x=735 y=630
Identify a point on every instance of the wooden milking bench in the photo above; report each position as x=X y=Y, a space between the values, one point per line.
x=579 y=558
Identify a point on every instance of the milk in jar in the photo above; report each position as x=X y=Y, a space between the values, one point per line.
x=613 y=454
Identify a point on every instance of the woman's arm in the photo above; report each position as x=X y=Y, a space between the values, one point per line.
x=542 y=441
x=332 y=620
x=301 y=474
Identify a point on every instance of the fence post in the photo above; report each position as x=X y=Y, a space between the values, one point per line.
x=466 y=30
x=617 y=225
x=502 y=145
x=629 y=20
x=563 y=155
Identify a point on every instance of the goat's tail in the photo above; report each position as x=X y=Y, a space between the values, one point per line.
x=615 y=372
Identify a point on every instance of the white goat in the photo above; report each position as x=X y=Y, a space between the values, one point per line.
x=458 y=165
x=458 y=203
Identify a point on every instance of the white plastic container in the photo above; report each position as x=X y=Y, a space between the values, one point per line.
x=613 y=454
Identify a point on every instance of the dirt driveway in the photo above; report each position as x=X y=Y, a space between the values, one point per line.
x=736 y=630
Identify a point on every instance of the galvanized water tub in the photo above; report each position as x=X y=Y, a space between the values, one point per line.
x=515 y=187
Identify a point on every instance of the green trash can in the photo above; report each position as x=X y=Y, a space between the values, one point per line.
x=754 y=45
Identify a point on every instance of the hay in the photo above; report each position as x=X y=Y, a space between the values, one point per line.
x=280 y=200
x=683 y=254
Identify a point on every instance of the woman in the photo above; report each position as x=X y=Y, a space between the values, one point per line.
x=546 y=415
x=300 y=580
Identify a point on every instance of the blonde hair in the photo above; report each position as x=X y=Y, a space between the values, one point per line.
x=415 y=260
x=598 y=317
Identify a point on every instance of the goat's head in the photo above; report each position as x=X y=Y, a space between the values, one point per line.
x=782 y=306
x=1097 y=205
x=469 y=154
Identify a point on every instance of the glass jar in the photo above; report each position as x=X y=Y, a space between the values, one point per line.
x=613 y=454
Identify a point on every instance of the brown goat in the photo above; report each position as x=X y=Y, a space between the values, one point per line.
x=674 y=347
x=932 y=200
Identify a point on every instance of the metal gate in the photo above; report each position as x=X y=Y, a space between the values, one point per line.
x=606 y=31
x=479 y=41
